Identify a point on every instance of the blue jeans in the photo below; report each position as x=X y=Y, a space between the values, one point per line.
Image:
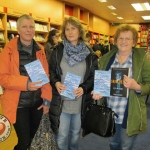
x=120 y=141
x=69 y=131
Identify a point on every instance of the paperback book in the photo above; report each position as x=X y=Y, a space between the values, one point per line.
x=102 y=81
x=1 y=90
x=36 y=72
x=110 y=83
x=117 y=87
x=71 y=82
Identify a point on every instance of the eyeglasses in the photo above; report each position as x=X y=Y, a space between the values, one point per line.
x=126 y=39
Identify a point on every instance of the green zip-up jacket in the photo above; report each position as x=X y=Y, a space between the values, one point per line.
x=137 y=112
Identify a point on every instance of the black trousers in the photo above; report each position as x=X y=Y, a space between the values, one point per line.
x=26 y=125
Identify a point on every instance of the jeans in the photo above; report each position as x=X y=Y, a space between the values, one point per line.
x=69 y=131
x=120 y=141
x=27 y=123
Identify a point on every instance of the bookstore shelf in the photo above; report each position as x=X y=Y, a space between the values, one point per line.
x=8 y=28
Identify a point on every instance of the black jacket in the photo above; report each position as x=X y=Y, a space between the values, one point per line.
x=55 y=76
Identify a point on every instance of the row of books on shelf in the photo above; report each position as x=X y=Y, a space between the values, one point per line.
x=1 y=36
x=12 y=25
x=1 y=24
x=144 y=40
x=41 y=27
x=144 y=44
x=39 y=37
x=145 y=32
x=100 y=37
x=144 y=36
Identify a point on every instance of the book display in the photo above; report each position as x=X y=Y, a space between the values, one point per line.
x=71 y=82
x=36 y=72
x=110 y=83
x=143 y=42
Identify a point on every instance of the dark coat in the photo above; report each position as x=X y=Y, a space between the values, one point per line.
x=55 y=76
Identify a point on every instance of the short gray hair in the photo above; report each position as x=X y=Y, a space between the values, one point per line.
x=25 y=16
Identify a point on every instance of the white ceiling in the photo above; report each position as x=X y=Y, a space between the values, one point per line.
x=124 y=9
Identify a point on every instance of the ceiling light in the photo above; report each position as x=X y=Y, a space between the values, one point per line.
x=146 y=17
x=102 y=1
x=119 y=17
x=113 y=13
x=141 y=6
x=147 y=5
x=111 y=7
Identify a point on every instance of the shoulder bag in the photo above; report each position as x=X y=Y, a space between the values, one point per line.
x=99 y=119
x=44 y=138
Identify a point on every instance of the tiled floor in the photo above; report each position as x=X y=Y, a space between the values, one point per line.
x=94 y=142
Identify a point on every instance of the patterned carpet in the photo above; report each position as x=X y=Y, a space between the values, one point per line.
x=94 y=142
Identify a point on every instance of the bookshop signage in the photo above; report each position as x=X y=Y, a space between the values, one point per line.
x=15 y=12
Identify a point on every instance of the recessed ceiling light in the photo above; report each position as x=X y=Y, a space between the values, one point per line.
x=146 y=17
x=119 y=17
x=113 y=13
x=141 y=6
x=111 y=7
x=102 y=1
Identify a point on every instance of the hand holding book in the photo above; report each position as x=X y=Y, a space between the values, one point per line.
x=131 y=83
x=33 y=86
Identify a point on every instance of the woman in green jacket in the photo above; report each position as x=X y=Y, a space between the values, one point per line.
x=132 y=118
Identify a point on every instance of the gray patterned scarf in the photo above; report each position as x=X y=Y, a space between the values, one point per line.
x=75 y=53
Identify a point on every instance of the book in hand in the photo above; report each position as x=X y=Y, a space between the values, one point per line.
x=71 y=82
x=102 y=81
x=1 y=90
x=36 y=72
x=117 y=87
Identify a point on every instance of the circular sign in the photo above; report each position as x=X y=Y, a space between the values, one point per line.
x=5 y=128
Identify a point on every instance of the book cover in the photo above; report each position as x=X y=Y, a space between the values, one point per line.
x=36 y=72
x=71 y=82
x=102 y=81
x=117 y=87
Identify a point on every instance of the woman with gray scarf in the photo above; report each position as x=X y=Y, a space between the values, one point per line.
x=73 y=56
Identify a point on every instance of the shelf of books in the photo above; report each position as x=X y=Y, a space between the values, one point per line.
x=8 y=26
x=2 y=31
x=143 y=42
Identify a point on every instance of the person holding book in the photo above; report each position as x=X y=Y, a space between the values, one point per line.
x=131 y=110
x=53 y=40
x=23 y=101
x=72 y=55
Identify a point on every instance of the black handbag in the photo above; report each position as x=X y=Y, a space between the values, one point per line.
x=99 y=119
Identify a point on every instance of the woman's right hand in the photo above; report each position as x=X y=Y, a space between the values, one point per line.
x=60 y=87
x=96 y=96
x=33 y=86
